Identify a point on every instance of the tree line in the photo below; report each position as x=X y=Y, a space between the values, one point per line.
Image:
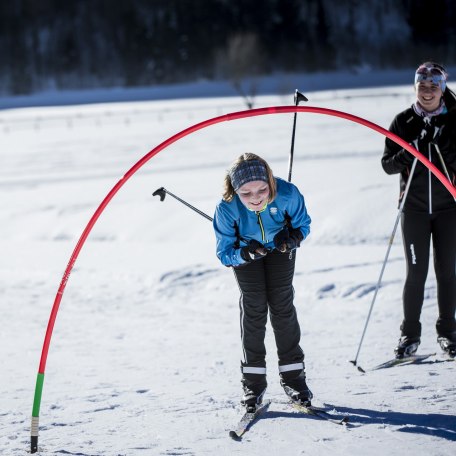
x=74 y=44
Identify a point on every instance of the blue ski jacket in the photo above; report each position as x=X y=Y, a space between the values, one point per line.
x=235 y=225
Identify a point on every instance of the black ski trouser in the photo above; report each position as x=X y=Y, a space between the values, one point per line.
x=267 y=284
x=417 y=230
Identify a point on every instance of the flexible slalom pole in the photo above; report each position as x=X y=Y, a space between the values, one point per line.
x=143 y=161
x=390 y=244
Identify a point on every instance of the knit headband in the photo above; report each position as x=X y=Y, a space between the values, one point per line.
x=248 y=171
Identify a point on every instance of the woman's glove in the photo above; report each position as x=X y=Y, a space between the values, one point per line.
x=288 y=239
x=254 y=250
x=404 y=157
x=429 y=133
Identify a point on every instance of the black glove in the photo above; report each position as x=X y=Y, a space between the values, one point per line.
x=254 y=250
x=428 y=133
x=288 y=239
x=404 y=157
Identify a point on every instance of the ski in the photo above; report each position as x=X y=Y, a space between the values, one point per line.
x=406 y=360
x=445 y=357
x=247 y=420
x=320 y=413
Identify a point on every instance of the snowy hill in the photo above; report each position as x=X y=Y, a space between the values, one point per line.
x=145 y=353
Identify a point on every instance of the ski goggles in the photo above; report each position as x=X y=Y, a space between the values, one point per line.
x=433 y=74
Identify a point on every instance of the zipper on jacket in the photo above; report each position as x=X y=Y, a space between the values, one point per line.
x=260 y=222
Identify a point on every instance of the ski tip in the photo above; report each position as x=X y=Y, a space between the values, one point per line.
x=404 y=361
x=234 y=436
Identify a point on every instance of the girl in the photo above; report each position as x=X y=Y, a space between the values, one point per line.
x=259 y=224
x=429 y=210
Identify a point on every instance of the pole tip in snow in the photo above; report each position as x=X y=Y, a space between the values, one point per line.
x=34 y=444
x=358 y=367
x=298 y=97
x=161 y=192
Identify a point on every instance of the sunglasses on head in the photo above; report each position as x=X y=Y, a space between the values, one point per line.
x=431 y=69
x=435 y=74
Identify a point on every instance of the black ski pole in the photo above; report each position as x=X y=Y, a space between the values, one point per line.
x=437 y=148
x=401 y=208
x=298 y=97
x=162 y=192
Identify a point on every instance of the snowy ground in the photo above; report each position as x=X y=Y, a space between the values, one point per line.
x=145 y=353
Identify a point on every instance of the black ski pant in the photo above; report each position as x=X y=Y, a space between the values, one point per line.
x=417 y=230
x=267 y=284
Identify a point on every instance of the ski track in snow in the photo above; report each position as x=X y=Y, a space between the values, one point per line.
x=145 y=353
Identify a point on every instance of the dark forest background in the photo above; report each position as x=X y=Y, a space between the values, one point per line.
x=72 y=44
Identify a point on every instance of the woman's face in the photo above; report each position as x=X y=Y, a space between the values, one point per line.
x=428 y=95
x=254 y=195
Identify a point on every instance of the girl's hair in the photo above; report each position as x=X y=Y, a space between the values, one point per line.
x=449 y=97
x=228 y=190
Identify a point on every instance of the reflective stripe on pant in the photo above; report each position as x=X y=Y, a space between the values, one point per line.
x=267 y=284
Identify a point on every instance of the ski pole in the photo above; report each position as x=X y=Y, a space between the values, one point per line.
x=162 y=192
x=298 y=96
x=437 y=148
x=401 y=207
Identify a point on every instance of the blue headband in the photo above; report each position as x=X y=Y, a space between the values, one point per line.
x=248 y=171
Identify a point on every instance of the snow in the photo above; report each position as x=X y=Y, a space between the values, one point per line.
x=145 y=353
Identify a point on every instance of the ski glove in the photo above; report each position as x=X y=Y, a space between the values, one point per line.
x=254 y=250
x=404 y=157
x=288 y=239
x=428 y=133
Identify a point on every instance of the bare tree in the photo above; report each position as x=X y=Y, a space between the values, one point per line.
x=244 y=63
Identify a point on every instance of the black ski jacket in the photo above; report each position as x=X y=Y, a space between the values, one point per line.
x=426 y=193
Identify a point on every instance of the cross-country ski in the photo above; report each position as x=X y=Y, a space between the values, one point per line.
x=247 y=420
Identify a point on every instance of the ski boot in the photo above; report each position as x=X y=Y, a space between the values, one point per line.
x=407 y=346
x=295 y=387
x=254 y=387
x=448 y=344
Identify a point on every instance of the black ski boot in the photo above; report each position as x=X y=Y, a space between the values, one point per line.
x=254 y=387
x=295 y=387
x=407 y=346
x=448 y=344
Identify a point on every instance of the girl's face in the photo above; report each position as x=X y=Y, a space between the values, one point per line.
x=428 y=95
x=254 y=195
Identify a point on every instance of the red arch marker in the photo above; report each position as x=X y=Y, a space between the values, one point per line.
x=144 y=160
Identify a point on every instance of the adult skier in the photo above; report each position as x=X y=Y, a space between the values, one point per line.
x=429 y=210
